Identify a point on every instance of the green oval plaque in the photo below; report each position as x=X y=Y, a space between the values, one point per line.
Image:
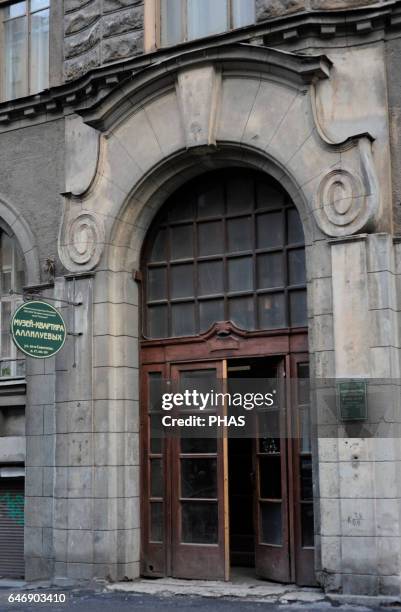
x=38 y=329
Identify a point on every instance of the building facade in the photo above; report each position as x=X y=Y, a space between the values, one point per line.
x=202 y=189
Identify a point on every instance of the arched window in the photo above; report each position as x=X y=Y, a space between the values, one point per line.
x=227 y=246
x=12 y=362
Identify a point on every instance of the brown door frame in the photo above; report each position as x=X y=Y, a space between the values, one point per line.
x=223 y=341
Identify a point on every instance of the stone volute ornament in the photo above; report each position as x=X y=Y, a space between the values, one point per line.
x=82 y=240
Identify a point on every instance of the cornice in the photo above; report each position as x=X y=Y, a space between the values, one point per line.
x=88 y=91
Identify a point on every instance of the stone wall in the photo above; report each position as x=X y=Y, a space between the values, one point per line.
x=97 y=32
x=267 y=9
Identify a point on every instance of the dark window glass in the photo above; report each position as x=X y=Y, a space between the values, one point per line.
x=240 y=196
x=199 y=522
x=155 y=391
x=270 y=270
x=211 y=202
x=272 y=311
x=306 y=478
x=156 y=522
x=270 y=476
x=183 y=319
x=157 y=321
x=271 y=523
x=253 y=245
x=210 y=238
x=157 y=284
x=210 y=277
x=198 y=445
x=156 y=478
x=270 y=230
x=199 y=478
x=182 y=281
x=239 y=234
x=307 y=525
x=182 y=242
x=210 y=312
x=240 y=274
x=183 y=210
x=296 y=267
x=267 y=196
x=159 y=247
x=241 y=312
x=298 y=314
x=295 y=230
x=156 y=431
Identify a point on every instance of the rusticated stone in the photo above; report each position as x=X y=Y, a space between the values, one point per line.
x=119 y=48
x=78 y=66
x=112 y=5
x=123 y=21
x=82 y=42
x=72 y=5
x=339 y=4
x=266 y=9
x=74 y=22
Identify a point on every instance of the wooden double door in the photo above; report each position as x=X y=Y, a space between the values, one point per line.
x=211 y=503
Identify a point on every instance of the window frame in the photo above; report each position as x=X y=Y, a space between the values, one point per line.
x=153 y=25
x=15 y=300
x=4 y=5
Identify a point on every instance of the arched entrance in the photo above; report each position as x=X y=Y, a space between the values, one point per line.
x=224 y=296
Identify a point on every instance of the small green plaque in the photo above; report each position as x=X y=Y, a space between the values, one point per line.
x=38 y=329
x=352 y=400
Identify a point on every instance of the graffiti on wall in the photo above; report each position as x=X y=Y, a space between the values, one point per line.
x=13 y=505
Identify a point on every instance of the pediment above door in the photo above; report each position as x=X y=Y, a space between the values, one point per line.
x=190 y=110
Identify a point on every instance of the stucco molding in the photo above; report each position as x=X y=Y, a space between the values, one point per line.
x=81 y=238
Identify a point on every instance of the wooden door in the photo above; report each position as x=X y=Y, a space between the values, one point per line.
x=272 y=545
x=301 y=450
x=199 y=546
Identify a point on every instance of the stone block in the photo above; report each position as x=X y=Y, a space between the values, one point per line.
x=113 y=5
x=267 y=9
x=33 y=541
x=389 y=585
x=388 y=517
x=116 y=383
x=115 y=319
x=116 y=416
x=60 y=545
x=80 y=571
x=79 y=546
x=358 y=517
x=12 y=450
x=79 y=20
x=38 y=511
x=356 y=479
x=38 y=568
x=123 y=21
x=33 y=481
x=329 y=517
x=382 y=290
x=115 y=287
x=321 y=296
x=80 y=513
x=115 y=351
x=104 y=546
x=359 y=555
x=121 y=47
x=331 y=553
x=80 y=482
x=77 y=66
x=388 y=556
x=329 y=480
x=356 y=584
x=82 y=42
x=34 y=420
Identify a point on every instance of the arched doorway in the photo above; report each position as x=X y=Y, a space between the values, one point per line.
x=224 y=296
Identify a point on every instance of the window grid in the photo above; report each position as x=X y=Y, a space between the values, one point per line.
x=283 y=292
x=35 y=77
x=169 y=38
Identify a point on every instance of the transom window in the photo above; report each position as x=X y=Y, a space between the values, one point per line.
x=12 y=362
x=25 y=56
x=229 y=246
x=183 y=20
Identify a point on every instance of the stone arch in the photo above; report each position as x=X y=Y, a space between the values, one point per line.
x=236 y=96
x=15 y=225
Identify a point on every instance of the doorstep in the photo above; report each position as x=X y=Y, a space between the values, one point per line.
x=250 y=588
